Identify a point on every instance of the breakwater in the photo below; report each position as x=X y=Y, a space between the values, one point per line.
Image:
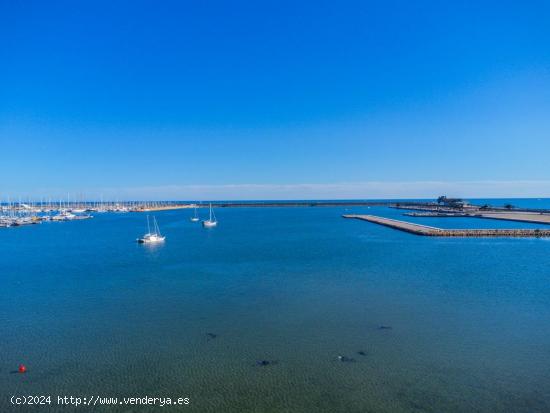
x=299 y=204
x=531 y=217
x=425 y=230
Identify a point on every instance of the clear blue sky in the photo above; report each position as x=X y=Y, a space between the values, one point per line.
x=277 y=99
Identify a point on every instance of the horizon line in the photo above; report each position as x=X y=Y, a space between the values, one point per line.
x=365 y=190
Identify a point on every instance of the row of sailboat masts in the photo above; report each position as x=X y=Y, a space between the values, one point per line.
x=51 y=204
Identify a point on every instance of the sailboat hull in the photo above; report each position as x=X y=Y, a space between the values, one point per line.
x=151 y=239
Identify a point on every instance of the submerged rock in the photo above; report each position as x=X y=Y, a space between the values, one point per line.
x=266 y=362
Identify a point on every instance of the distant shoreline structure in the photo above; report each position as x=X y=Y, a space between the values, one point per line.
x=21 y=213
x=440 y=205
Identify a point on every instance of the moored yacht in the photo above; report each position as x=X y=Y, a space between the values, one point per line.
x=63 y=216
x=211 y=221
x=151 y=237
x=195 y=218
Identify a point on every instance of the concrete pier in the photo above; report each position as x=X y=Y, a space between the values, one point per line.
x=531 y=217
x=536 y=218
x=425 y=230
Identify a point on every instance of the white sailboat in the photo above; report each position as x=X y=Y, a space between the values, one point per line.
x=151 y=237
x=195 y=218
x=64 y=215
x=211 y=221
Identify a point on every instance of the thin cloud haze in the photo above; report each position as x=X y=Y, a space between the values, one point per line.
x=345 y=190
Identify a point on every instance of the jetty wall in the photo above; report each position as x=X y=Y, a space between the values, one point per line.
x=425 y=230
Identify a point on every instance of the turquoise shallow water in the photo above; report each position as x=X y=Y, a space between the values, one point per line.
x=90 y=312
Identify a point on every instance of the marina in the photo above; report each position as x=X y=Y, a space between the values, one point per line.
x=13 y=214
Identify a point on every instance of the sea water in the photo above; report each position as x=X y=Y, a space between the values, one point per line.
x=92 y=313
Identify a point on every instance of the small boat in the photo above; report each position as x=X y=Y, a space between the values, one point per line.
x=64 y=216
x=211 y=221
x=195 y=218
x=151 y=237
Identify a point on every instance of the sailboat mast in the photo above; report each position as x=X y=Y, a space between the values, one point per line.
x=157 y=229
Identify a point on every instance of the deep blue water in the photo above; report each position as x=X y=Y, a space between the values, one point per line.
x=90 y=312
